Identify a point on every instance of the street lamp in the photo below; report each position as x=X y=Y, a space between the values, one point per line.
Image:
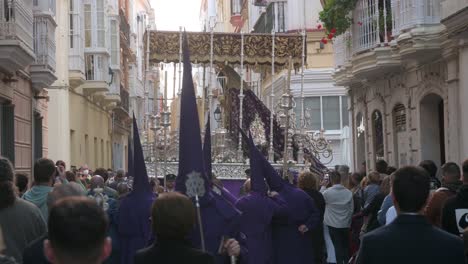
x=217 y=114
x=111 y=73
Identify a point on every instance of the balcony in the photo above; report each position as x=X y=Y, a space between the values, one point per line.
x=454 y=14
x=370 y=39
x=124 y=30
x=384 y=33
x=274 y=17
x=417 y=28
x=76 y=62
x=123 y=106
x=342 y=46
x=16 y=36
x=98 y=74
x=43 y=69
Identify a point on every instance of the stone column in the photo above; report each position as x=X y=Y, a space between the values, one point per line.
x=463 y=96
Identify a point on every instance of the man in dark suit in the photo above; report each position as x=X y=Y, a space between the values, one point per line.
x=410 y=238
x=173 y=218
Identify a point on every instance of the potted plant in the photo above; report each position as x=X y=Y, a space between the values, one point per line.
x=336 y=15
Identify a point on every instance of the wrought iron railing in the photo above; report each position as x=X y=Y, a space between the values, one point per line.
x=372 y=25
x=44 y=42
x=408 y=14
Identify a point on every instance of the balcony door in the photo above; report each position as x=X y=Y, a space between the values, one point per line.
x=432 y=130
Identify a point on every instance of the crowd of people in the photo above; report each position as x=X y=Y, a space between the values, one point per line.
x=414 y=214
x=25 y=211
x=410 y=215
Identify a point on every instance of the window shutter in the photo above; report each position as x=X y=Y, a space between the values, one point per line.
x=8 y=132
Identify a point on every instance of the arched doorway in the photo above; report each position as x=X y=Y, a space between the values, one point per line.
x=377 y=135
x=360 y=140
x=399 y=139
x=432 y=128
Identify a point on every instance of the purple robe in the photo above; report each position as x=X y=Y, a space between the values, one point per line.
x=219 y=219
x=290 y=245
x=135 y=224
x=135 y=208
x=258 y=212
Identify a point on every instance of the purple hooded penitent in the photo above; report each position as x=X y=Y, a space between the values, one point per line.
x=290 y=245
x=135 y=208
x=219 y=218
x=259 y=210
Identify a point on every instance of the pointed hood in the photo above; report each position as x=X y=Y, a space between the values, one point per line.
x=272 y=177
x=207 y=149
x=134 y=209
x=257 y=180
x=191 y=176
x=140 y=177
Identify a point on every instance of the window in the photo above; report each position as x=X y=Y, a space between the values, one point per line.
x=103 y=162
x=96 y=156
x=88 y=30
x=89 y=60
x=324 y=112
x=7 y=132
x=96 y=67
x=100 y=25
x=236 y=7
x=280 y=17
x=344 y=111
x=72 y=28
x=86 y=158
x=331 y=112
x=73 y=147
x=377 y=131
x=114 y=39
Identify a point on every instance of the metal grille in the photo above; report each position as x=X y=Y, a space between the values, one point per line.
x=399 y=118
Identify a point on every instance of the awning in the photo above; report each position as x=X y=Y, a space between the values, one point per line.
x=164 y=47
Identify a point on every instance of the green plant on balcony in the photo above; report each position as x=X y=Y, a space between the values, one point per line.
x=336 y=15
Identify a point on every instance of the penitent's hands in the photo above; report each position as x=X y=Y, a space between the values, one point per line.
x=232 y=247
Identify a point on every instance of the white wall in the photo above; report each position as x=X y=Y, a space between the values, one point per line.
x=296 y=9
x=58 y=110
x=463 y=90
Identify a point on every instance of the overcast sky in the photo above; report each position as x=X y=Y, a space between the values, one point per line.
x=170 y=14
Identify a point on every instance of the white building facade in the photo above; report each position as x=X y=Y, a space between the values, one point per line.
x=406 y=82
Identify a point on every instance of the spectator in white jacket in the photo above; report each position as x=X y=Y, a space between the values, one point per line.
x=338 y=213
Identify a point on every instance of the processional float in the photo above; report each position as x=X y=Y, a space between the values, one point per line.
x=288 y=145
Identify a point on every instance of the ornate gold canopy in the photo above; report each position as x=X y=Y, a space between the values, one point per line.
x=164 y=47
